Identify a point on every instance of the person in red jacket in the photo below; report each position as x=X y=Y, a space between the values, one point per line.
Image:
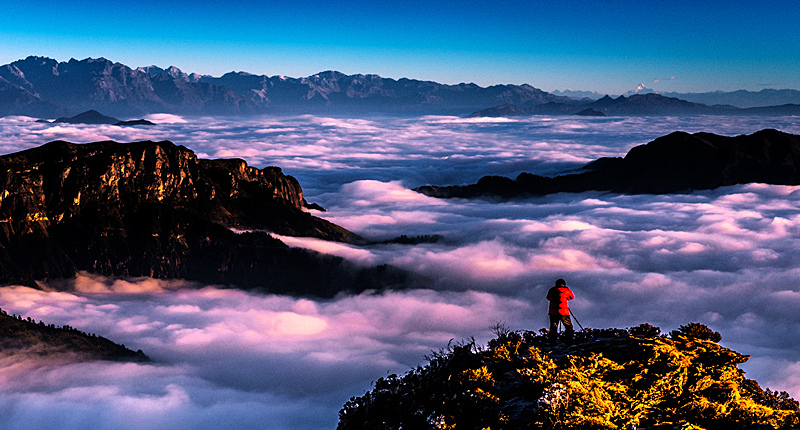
x=559 y=295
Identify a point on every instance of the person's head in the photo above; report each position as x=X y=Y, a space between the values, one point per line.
x=561 y=283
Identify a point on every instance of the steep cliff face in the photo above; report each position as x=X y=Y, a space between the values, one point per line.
x=154 y=209
x=59 y=181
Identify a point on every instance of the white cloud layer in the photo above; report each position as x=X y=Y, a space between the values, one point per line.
x=227 y=359
x=324 y=153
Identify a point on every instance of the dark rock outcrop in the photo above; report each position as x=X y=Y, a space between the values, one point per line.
x=25 y=336
x=134 y=122
x=89 y=117
x=154 y=209
x=590 y=112
x=601 y=379
x=94 y=117
x=676 y=163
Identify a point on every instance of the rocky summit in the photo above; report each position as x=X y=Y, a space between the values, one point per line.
x=155 y=209
x=600 y=379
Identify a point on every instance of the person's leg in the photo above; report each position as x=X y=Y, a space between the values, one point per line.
x=568 y=329
x=552 y=334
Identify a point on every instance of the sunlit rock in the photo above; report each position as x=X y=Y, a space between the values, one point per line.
x=155 y=209
x=601 y=379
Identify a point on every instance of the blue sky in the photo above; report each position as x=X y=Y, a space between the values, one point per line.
x=607 y=46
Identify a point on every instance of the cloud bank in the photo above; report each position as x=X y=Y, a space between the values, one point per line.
x=228 y=359
x=325 y=153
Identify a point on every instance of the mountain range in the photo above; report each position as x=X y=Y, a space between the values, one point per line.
x=676 y=163
x=45 y=88
x=739 y=98
x=639 y=104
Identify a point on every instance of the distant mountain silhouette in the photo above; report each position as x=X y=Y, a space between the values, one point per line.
x=678 y=162
x=171 y=71
x=134 y=122
x=88 y=117
x=590 y=112
x=640 y=89
x=649 y=104
x=742 y=98
x=16 y=100
x=95 y=117
x=739 y=98
x=578 y=94
x=43 y=87
x=155 y=209
x=333 y=91
x=114 y=88
x=636 y=105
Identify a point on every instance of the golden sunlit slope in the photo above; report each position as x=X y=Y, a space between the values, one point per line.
x=602 y=379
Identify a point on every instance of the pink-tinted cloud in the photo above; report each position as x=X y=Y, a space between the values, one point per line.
x=726 y=257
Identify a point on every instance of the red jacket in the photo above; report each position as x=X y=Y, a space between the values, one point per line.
x=558 y=297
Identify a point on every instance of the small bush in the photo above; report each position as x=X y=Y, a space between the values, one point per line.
x=696 y=331
x=645 y=330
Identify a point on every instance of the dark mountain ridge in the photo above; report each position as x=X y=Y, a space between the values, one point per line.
x=44 y=87
x=738 y=98
x=675 y=163
x=635 y=105
x=332 y=91
x=25 y=336
x=114 y=88
x=96 y=118
x=39 y=85
x=155 y=209
x=88 y=117
x=741 y=98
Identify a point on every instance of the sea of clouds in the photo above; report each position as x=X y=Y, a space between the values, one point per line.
x=728 y=258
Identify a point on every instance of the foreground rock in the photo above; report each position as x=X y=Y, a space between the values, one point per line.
x=603 y=379
x=155 y=209
x=24 y=336
x=677 y=163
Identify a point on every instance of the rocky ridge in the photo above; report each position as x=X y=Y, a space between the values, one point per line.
x=50 y=88
x=601 y=379
x=155 y=209
x=44 y=87
x=676 y=163
x=642 y=104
